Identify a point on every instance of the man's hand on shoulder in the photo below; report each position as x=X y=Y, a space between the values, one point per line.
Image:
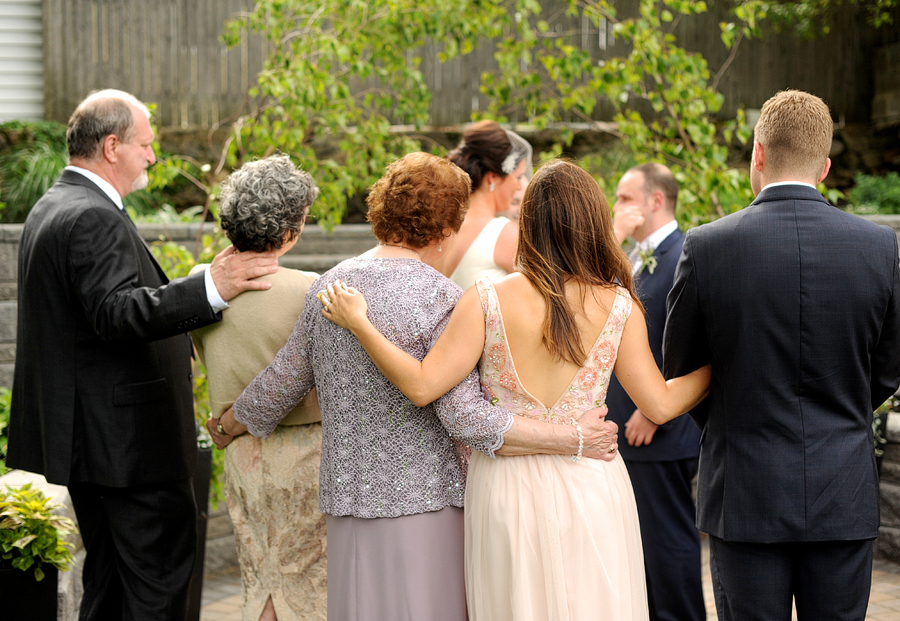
x=233 y=272
x=639 y=429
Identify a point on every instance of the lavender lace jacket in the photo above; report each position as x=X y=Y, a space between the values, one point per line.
x=381 y=455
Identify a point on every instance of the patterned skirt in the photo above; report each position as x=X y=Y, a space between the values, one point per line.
x=272 y=491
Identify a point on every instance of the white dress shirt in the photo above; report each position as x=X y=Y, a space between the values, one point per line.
x=777 y=183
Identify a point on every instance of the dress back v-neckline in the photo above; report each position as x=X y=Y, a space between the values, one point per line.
x=587 y=388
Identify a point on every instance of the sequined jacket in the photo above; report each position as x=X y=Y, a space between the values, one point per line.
x=381 y=455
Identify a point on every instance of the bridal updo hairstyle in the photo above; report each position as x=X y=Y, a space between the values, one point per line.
x=263 y=201
x=566 y=232
x=486 y=147
x=417 y=199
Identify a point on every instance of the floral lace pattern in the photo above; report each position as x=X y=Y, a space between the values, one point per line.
x=501 y=385
x=381 y=455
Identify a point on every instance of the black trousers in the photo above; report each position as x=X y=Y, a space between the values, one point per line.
x=829 y=580
x=141 y=543
x=671 y=542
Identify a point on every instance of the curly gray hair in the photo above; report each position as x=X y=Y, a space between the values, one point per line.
x=263 y=201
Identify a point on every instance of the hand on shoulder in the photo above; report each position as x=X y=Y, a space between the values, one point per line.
x=234 y=272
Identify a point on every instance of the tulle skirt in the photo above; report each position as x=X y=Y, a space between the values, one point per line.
x=549 y=539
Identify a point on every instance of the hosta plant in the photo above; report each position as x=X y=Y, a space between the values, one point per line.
x=31 y=535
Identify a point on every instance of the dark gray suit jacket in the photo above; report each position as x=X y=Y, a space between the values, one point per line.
x=797 y=306
x=102 y=385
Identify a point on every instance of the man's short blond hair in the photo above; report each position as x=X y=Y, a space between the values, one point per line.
x=795 y=130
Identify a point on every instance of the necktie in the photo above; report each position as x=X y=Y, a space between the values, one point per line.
x=635 y=257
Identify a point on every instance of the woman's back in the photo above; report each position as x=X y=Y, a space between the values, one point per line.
x=543 y=374
x=548 y=536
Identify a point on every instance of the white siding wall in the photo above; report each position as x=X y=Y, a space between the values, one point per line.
x=21 y=65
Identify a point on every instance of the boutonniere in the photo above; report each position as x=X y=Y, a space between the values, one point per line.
x=648 y=261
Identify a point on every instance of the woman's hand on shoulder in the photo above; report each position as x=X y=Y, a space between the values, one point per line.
x=344 y=306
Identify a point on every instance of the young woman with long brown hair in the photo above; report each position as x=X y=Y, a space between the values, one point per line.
x=547 y=536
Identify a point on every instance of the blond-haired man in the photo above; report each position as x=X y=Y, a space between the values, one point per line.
x=797 y=306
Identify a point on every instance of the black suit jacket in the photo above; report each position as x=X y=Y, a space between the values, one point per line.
x=102 y=385
x=680 y=438
x=797 y=306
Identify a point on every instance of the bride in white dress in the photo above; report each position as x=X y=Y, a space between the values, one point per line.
x=548 y=537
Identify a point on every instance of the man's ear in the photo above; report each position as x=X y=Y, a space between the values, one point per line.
x=110 y=148
x=825 y=171
x=659 y=200
x=759 y=155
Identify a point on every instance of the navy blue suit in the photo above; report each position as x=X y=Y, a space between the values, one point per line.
x=797 y=306
x=661 y=472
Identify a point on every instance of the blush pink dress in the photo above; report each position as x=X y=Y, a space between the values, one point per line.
x=547 y=538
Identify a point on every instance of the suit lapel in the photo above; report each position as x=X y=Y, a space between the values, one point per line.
x=663 y=248
x=666 y=244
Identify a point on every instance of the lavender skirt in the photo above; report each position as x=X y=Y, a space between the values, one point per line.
x=408 y=568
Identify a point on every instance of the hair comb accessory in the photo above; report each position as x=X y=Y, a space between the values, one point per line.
x=509 y=164
x=521 y=150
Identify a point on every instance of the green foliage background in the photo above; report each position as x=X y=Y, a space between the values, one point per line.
x=875 y=194
x=308 y=102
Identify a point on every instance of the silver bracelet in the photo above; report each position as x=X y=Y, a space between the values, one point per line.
x=577 y=455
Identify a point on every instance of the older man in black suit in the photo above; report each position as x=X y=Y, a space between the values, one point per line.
x=797 y=306
x=661 y=460
x=102 y=399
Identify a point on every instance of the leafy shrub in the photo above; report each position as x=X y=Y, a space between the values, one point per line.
x=875 y=194
x=31 y=162
x=32 y=157
x=31 y=535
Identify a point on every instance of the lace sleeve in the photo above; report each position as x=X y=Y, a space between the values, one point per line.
x=278 y=388
x=467 y=415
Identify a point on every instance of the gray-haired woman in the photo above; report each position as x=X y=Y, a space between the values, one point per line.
x=271 y=485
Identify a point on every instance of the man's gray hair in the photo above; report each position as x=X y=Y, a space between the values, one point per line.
x=263 y=201
x=101 y=114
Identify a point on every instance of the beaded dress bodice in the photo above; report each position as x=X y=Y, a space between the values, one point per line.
x=500 y=381
x=381 y=455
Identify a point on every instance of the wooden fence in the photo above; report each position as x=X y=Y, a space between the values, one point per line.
x=168 y=52
x=163 y=51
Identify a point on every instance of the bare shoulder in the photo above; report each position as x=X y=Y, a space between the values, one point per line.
x=513 y=282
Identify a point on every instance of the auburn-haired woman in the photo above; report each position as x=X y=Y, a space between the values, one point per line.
x=547 y=536
x=393 y=470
